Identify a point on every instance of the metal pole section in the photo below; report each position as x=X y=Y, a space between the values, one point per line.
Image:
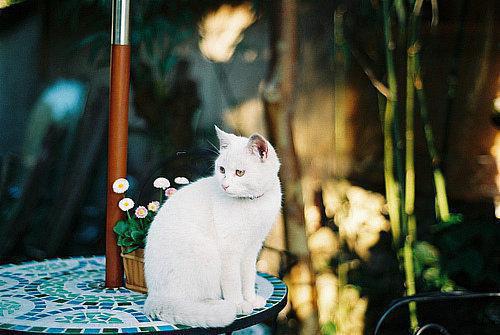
x=117 y=134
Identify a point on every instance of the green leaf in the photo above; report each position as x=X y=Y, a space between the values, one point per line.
x=127 y=242
x=329 y=328
x=426 y=253
x=431 y=275
x=119 y=241
x=137 y=235
x=454 y=219
x=121 y=227
x=134 y=224
x=135 y=232
x=7 y=3
x=448 y=286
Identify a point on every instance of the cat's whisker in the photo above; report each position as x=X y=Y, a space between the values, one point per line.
x=210 y=168
x=214 y=146
x=212 y=151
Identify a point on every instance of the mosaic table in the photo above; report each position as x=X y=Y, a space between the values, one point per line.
x=68 y=296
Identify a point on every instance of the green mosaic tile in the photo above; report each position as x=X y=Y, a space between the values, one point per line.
x=6 y=326
x=147 y=329
x=9 y=307
x=37 y=329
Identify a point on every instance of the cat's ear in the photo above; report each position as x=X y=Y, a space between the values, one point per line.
x=258 y=146
x=224 y=138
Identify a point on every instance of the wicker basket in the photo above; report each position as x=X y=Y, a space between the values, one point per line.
x=133 y=264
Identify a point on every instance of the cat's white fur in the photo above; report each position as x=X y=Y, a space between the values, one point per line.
x=203 y=244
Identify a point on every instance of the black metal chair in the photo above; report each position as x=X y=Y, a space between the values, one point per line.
x=437 y=323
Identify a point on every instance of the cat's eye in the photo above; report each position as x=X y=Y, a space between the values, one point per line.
x=240 y=173
x=221 y=169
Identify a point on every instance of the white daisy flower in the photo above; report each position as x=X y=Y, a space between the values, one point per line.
x=181 y=181
x=170 y=191
x=125 y=204
x=161 y=183
x=154 y=206
x=120 y=185
x=141 y=212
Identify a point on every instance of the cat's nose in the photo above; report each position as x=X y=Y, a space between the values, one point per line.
x=225 y=187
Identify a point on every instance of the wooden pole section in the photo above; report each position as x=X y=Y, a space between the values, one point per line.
x=117 y=135
x=279 y=104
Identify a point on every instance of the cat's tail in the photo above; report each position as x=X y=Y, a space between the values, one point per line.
x=206 y=314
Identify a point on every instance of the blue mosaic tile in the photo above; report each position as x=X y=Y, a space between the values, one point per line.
x=130 y=330
x=164 y=328
x=20 y=327
x=68 y=296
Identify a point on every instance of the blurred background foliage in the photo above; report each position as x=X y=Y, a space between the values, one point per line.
x=54 y=73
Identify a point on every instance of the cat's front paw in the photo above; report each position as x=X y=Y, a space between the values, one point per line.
x=257 y=301
x=244 y=307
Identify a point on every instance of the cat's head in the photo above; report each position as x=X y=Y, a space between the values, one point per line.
x=247 y=167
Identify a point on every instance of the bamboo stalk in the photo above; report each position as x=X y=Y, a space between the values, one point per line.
x=410 y=219
x=339 y=117
x=443 y=211
x=409 y=137
x=410 y=278
x=391 y=185
x=400 y=12
x=364 y=64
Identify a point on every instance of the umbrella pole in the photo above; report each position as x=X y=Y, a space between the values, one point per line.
x=117 y=134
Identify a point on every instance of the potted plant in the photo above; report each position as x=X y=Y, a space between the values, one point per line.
x=133 y=229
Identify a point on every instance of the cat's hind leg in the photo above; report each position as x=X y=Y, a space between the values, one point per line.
x=207 y=313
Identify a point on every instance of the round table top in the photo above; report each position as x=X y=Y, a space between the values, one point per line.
x=68 y=296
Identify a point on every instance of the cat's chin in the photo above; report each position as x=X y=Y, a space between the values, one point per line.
x=242 y=195
x=234 y=195
x=230 y=195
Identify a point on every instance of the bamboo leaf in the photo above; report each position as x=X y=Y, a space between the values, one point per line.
x=426 y=253
x=7 y=3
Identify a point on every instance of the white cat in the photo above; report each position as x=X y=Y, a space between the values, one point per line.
x=202 y=246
